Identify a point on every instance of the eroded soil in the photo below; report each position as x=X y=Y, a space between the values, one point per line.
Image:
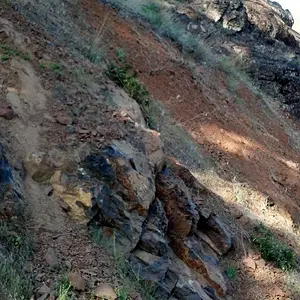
x=253 y=143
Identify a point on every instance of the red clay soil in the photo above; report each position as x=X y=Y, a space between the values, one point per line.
x=237 y=130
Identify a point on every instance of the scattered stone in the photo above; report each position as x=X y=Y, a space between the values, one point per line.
x=105 y=291
x=49 y=191
x=51 y=257
x=4 y=34
x=44 y=289
x=38 y=166
x=29 y=267
x=64 y=205
x=68 y=264
x=7 y=113
x=43 y=297
x=77 y=281
x=261 y=263
x=135 y=296
x=63 y=120
x=249 y=263
x=236 y=213
x=40 y=276
x=278 y=292
x=256 y=256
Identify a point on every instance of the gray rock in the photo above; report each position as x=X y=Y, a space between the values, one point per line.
x=51 y=257
x=128 y=189
x=215 y=233
x=156 y=222
x=77 y=281
x=149 y=266
x=105 y=291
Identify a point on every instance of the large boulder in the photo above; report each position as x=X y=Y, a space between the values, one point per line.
x=271 y=19
x=159 y=219
x=127 y=189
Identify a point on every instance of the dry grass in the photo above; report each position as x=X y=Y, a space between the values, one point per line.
x=16 y=249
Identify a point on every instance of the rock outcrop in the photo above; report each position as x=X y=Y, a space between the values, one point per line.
x=158 y=214
x=271 y=19
x=236 y=15
x=258 y=34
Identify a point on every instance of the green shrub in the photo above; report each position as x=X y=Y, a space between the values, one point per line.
x=152 y=13
x=272 y=249
x=231 y=273
x=9 y=52
x=63 y=289
x=56 y=67
x=124 y=77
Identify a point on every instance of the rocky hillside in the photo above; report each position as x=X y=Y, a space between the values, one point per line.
x=258 y=35
x=138 y=160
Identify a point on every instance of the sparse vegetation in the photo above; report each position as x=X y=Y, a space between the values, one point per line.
x=7 y=52
x=231 y=273
x=124 y=76
x=272 y=249
x=56 y=67
x=63 y=289
x=130 y=280
x=95 y=54
x=15 y=250
x=122 y=294
x=292 y=279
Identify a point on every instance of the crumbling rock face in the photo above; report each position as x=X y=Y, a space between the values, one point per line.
x=279 y=76
x=160 y=219
x=271 y=19
x=260 y=37
x=127 y=189
x=230 y=13
x=237 y=15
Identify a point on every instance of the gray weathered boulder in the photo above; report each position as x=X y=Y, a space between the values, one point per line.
x=240 y=15
x=159 y=220
x=126 y=191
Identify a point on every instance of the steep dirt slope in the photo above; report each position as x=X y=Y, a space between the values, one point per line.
x=33 y=130
x=254 y=146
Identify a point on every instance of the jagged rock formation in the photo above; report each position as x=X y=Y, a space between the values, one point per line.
x=160 y=217
x=260 y=33
x=236 y=15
